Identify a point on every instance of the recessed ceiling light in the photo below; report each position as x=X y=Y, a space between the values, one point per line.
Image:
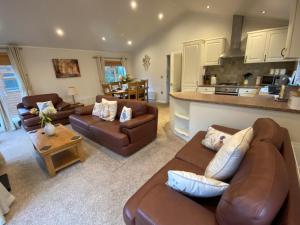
x=129 y=42
x=103 y=38
x=160 y=16
x=208 y=6
x=263 y=11
x=133 y=5
x=60 y=32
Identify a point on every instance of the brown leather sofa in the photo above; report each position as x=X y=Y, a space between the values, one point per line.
x=123 y=138
x=32 y=121
x=264 y=190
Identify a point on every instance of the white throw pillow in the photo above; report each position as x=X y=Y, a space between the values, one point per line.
x=126 y=114
x=46 y=107
x=111 y=108
x=215 y=139
x=195 y=185
x=97 y=109
x=228 y=158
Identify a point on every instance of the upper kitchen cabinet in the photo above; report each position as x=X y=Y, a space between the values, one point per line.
x=275 y=44
x=213 y=49
x=293 y=37
x=255 y=49
x=266 y=45
x=192 y=66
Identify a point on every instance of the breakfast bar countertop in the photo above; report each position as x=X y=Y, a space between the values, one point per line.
x=260 y=102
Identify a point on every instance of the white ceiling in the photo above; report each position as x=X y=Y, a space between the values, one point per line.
x=33 y=22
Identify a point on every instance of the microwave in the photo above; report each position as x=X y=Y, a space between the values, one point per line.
x=270 y=80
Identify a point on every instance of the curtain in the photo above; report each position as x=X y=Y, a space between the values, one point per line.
x=101 y=69
x=6 y=121
x=16 y=60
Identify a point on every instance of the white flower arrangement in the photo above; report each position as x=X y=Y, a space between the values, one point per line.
x=45 y=115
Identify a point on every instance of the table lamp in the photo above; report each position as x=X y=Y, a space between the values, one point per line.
x=72 y=91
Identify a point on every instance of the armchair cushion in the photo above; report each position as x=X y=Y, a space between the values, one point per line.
x=85 y=110
x=162 y=205
x=137 y=121
x=62 y=106
x=24 y=112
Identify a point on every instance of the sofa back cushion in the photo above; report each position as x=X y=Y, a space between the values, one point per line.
x=258 y=189
x=267 y=130
x=138 y=107
x=30 y=101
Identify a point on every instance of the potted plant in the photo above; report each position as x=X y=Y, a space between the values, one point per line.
x=49 y=128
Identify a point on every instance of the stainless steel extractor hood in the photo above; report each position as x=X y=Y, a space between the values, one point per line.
x=236 y=38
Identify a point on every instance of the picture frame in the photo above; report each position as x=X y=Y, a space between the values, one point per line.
x=66 y=68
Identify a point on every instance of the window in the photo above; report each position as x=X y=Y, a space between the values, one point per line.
x=9 y=79
x=114 y=71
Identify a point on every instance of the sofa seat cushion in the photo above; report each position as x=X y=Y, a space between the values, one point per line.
x=84 y=121
x=258 y=189
x=109 y=132
x=159 y=178
x=267 y=130
x=162 y=205
x=195 y=153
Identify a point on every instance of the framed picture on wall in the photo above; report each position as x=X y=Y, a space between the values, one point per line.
x=65 y=68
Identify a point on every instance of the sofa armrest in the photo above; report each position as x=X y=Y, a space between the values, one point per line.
x=20 y=105
x=225 y=129
x=62 y=106
x=137 y=121
x=152 y=110
x=164 y=206
x=85 y=110
x=24 y=112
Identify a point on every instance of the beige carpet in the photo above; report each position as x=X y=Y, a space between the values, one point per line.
x=93 y=192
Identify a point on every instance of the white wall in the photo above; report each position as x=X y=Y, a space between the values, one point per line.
x=38 y=62
x=189 y=27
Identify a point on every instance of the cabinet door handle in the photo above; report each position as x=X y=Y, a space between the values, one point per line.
x=282 y=52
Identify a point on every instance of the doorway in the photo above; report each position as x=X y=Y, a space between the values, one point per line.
x=173 y=71
x=168 y=77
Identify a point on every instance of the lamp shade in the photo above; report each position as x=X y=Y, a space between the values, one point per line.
x=72 y=91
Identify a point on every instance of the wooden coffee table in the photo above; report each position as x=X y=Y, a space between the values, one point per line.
x=60 y=150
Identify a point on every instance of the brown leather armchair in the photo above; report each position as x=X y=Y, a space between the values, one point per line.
x=123 y=138
x=32 y=121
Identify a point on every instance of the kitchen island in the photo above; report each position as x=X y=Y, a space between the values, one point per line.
x=192 y=111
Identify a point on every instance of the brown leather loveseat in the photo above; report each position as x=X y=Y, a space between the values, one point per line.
x=123 y=138
x=32 y=121
x=264 y=190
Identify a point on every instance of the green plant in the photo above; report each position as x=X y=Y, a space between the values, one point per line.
x=45 y=119
x=45 y=115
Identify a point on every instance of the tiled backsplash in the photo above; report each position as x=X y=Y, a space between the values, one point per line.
x=233 y=69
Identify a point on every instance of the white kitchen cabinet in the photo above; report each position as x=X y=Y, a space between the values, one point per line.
x=213 y=49
x=293 y=37
x=206 y=90
x=192 y=66
x=266 y=45
x=275 y=45
x=255 y=49
x=248 y=92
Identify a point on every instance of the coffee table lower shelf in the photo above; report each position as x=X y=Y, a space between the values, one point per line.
x=64 y=159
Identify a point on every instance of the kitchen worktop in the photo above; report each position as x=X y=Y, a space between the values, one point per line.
x=239 y=86
x=259 y=102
